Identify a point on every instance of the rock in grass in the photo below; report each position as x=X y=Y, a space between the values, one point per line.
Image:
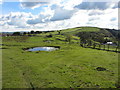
x=100 y=69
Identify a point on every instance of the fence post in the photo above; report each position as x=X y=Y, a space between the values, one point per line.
x=108 y=47
x=116 y=48
x=83 y=44
x=99 y=46
x=104 y=46
x=89 y=44
x=93 y=45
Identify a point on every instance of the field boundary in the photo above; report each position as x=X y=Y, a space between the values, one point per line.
x=102 y=47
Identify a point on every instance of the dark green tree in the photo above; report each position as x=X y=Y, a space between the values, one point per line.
x=68 y=38
x=32 y=32
x=24 y=33
x=16 y=34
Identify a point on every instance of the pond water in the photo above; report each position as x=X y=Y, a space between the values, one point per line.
x=43 y=49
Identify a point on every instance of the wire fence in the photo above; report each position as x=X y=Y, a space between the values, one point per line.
x=105 y=47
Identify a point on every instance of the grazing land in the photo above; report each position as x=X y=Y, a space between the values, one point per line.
x=72 y=66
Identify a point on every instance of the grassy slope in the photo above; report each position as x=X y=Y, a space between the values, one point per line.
x=71 y=66
x=80 y=29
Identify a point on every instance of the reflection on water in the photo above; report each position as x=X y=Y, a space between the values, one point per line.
x=43 y=49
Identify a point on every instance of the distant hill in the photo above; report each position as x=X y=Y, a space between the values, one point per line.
x=96 y=34
x=111 y=34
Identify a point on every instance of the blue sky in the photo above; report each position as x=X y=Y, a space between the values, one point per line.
x=8 y=7
x=39 y=15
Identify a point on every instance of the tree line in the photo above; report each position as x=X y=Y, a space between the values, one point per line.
x=98 y=40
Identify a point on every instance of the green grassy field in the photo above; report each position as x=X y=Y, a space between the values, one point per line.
x=71 y=66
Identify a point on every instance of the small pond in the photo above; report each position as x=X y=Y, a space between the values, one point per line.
x=43 y=49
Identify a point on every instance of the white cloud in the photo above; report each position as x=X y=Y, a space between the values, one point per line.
x=108 y=19
x=70 y=4
x=82 y=18
x=0 y=1
x=37 y=3
x=61 y=14
x=15 y=20
x=96 y=5
x=105 y=19
x=43 y=17
x=67 y=4
x=34 y=3
x=50 y=14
